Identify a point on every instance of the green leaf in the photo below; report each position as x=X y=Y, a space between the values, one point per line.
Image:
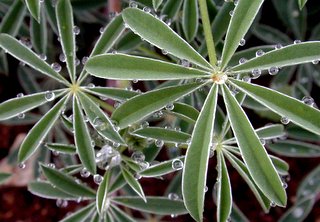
x=155 y=205
x=112 y=93
x=83 y=139
x=171 y=8
x=224 y=197
x=103 y=201
x=120 y=215
x=292 y=148
x=160 y=169
x=303 y=115
x=109 y=36
x=15 y=106
x=24 y=54
x=167 y=135
x=196 y=162
x=156 y=4
x=237 y=215
x=128 y=42
x=298 y=133
x=245 y=174
x=243 y=16
x=159 y=34
x=299 y=211
x=99 y=120
x=133 y=183
x=80 y=215
x=127 y=67
x=271 y=131
x=51 y=15
x=39 y=131
x=38 y=34
x=12 y=21
x=255 y=156
x=221 y=21
x=139 y=107
x=185 y=112
x=63 y=148
x=270 y=35
x=310 y=186
x=190 y=19
x=34 y=8
x=4 y=177
x=118 y=183
x=281 y=166
x=46 y=190
x=286 y=56
x=67 y=183
x=66 y=33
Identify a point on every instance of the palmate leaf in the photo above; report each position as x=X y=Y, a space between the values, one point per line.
x=34 y=8
x=299 y=113
x=190 y=19
x=242 y=18
x=133 y=183
x=66 y=27
x=155 y=205
x=139 y=107
x=224 y=197
x=99 y=120
x=67 y=183
x=286 y=56
x=15 y=106
x=255 y=156
x=196 y=161
x=24 y=54
x=159 y=34
x=8 y=24
x=39 y=131
x=127 y=67
x=83 y=138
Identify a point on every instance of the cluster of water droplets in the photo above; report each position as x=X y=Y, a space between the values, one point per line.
x=108 y=157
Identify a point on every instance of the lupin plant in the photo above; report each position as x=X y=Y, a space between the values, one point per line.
x=118 y=150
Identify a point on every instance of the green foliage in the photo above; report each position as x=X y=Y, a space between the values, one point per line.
x=189 y=74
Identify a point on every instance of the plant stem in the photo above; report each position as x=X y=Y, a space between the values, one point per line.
x=207 y=32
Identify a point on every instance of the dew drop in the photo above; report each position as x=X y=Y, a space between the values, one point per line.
x=91 y=85
x=173 y=196
x=177 y=164
x=111 y=15
x=256 y=73
x=260 y=52
x=246 y=79
x=77 y=61
x=164 y=52
x=263 y=141
x=242 y=42
x=284 y=185
x=133 y=4
x=97 y=179
x=84 y=173
x=20 y=95
x=284 y=120
x=61 y=203
x=22 y=63
x=138 y=156
x=144 y=124
x=56 y=67
x=231 y=13
x=101 y=30
x=170 y=107
x=308 y=100
x=235 y=2
x=21 y=116
x=62 y=57
x=315 y=62
x=273 y=71
x=51 y=165
x=22 y=165
x=159 y=143
x=116 y=145
x=206 y=189
x=76 y=30
x=137 y=176
x=43 y=57
x=146 y=9
x=49 y=96
x=298 y=212
x=135 y=81
x=242 y=60
x=273 y=204
x=296 y=41
x=278 y=46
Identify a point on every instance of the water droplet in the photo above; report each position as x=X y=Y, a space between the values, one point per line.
x=278 y=46
x=133 y=4
x=61 y=203
x=144 y=165
x=22 y=165
x=84 y=173
x=235 y=2
x=49 y=96
x=205 y=189
x=138 y=156
x=111 y=15
x=56 y=67
x=242 y=42
x=263 y=141
x=51 y=165
x=256 y=73
x=22 y=64
x=211 y=154
x=43 y=57
x=184 y=63
x=246 y=79
x=177 y=164
x=260 y=52
x=77 y=61
x=173 y=215
x=135 y=81
x=20 y=95
x=298 y=212
x=116 y=145
x=93 y=143
x=284 y=185
x=315 y=62
x=173 y=196
x=242 y=60
x=284 y=120
x=76 y=30
x=21 y=116
x=146 y=9
x=170 y=107
x=231 y=13
x=101 y=30
x=296 y=41
x=273 y=204
x=91 y=85
x=144 y=124
x=308 y=100
x=55 y=153
x=62 y=57
x=137 y=176
x=97 y=179
x=159 y=143
x=273 y=71
x=164 y=52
